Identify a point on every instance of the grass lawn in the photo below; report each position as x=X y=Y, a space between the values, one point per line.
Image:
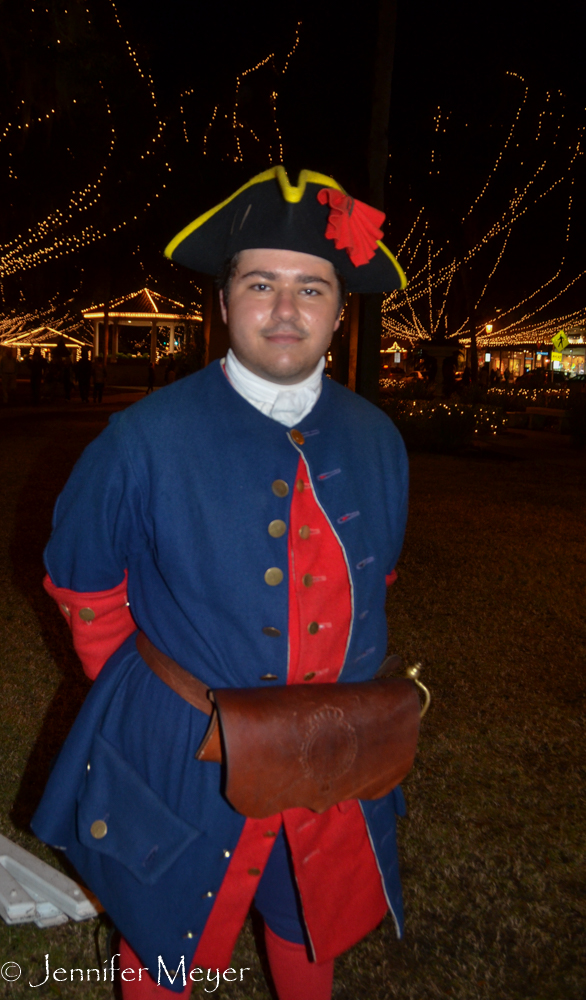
x=490 y=597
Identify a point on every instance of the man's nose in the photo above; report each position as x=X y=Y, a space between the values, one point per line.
x=285 y=305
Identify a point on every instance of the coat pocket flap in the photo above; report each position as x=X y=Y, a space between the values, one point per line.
x=118 y=815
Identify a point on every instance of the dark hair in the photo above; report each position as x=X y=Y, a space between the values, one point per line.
x=224 y=279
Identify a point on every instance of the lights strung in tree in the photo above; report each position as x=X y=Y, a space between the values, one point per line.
x=185 y=93
x=507 y=141
x=57 y=315
x=52 y=237
x=417 y=311
x=237 y=126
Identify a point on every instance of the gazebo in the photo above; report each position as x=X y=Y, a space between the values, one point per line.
x=46 y=338
x=139 y=309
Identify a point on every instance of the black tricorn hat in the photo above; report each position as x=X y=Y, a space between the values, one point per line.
x=315 y=217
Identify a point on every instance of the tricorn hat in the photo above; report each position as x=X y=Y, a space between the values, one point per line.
x=315 y=217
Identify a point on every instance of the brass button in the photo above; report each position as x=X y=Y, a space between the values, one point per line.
x=254 y=871
x=304 y=531
x=312 y=628
x=65 y=609
x=307 y=580
x=272 y=631
x=273 y=576
x=309 y=676
x=300 y=485
x=208 y=894
x=87 y=615
x=269 y=677
x=280 y=488
x=297 y=437
x=277 y=528
x=269 y=833
x=189 y=934
x=98 y=829
x=226 y=852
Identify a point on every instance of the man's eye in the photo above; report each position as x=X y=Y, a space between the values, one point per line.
x=260 y=287
x=309 y=291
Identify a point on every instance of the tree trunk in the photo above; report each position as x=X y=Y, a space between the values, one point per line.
x=471 y=308
x=368 y=367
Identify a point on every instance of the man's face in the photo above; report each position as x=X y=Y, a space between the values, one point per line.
x=282 y=310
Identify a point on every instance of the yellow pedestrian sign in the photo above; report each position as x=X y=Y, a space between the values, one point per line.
x=560 y=341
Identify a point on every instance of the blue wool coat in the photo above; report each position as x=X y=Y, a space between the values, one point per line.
x=177 y=490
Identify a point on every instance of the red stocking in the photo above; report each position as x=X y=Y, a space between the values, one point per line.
x=145 y=988
x=295 y=977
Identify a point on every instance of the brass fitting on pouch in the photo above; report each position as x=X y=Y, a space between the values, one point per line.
x=412 y=674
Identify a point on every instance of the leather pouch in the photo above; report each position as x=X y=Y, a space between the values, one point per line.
x=314 y=745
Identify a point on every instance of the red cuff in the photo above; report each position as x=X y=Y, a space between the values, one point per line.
x=391 y=577
x=99 y=621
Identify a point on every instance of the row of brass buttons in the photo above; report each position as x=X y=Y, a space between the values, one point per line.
x=281 y=489
x=255 y=872
x=277 y=529
x=274 y=575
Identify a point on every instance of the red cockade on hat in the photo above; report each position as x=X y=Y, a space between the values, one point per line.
x=352 y=225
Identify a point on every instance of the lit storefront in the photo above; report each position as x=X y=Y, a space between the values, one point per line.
x=573 y=360
x=516 y=361
x=520 y=358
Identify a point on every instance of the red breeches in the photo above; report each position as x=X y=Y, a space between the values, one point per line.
x=295 y=977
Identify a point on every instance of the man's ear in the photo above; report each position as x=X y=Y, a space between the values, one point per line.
x=223 y=307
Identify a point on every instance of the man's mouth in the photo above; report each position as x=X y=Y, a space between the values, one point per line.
x=284 y=336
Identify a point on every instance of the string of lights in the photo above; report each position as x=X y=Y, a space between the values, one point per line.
x=507 y=141
x=233 y=116
x=57 y=234
x=432 y=265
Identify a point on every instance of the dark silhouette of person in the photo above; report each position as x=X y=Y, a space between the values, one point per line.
x=99 y=372
x=448 y=375
x=53 y=375
x=67 y=370
x=170 y=370
x=150 y=378
x=83 y=374
x=8 y=373
x=483 y=375
x=37 y=367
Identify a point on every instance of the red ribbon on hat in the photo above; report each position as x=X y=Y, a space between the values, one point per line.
x=352 y=225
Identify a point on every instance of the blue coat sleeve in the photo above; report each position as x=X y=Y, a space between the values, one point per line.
x=98 y=518
x=396 y=465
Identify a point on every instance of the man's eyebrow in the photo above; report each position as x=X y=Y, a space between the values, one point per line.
x=311 y=279
x=301 y=279
x=269 y=275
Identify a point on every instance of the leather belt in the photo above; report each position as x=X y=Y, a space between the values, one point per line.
x=188 y=687
x=183 y=683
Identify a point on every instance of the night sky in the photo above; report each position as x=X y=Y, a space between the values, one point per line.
x=99 y=126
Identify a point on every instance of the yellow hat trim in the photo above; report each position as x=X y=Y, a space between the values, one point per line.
x=289 y=191
x=396 y=264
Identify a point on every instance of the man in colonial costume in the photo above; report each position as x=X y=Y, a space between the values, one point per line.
x=235 y=533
